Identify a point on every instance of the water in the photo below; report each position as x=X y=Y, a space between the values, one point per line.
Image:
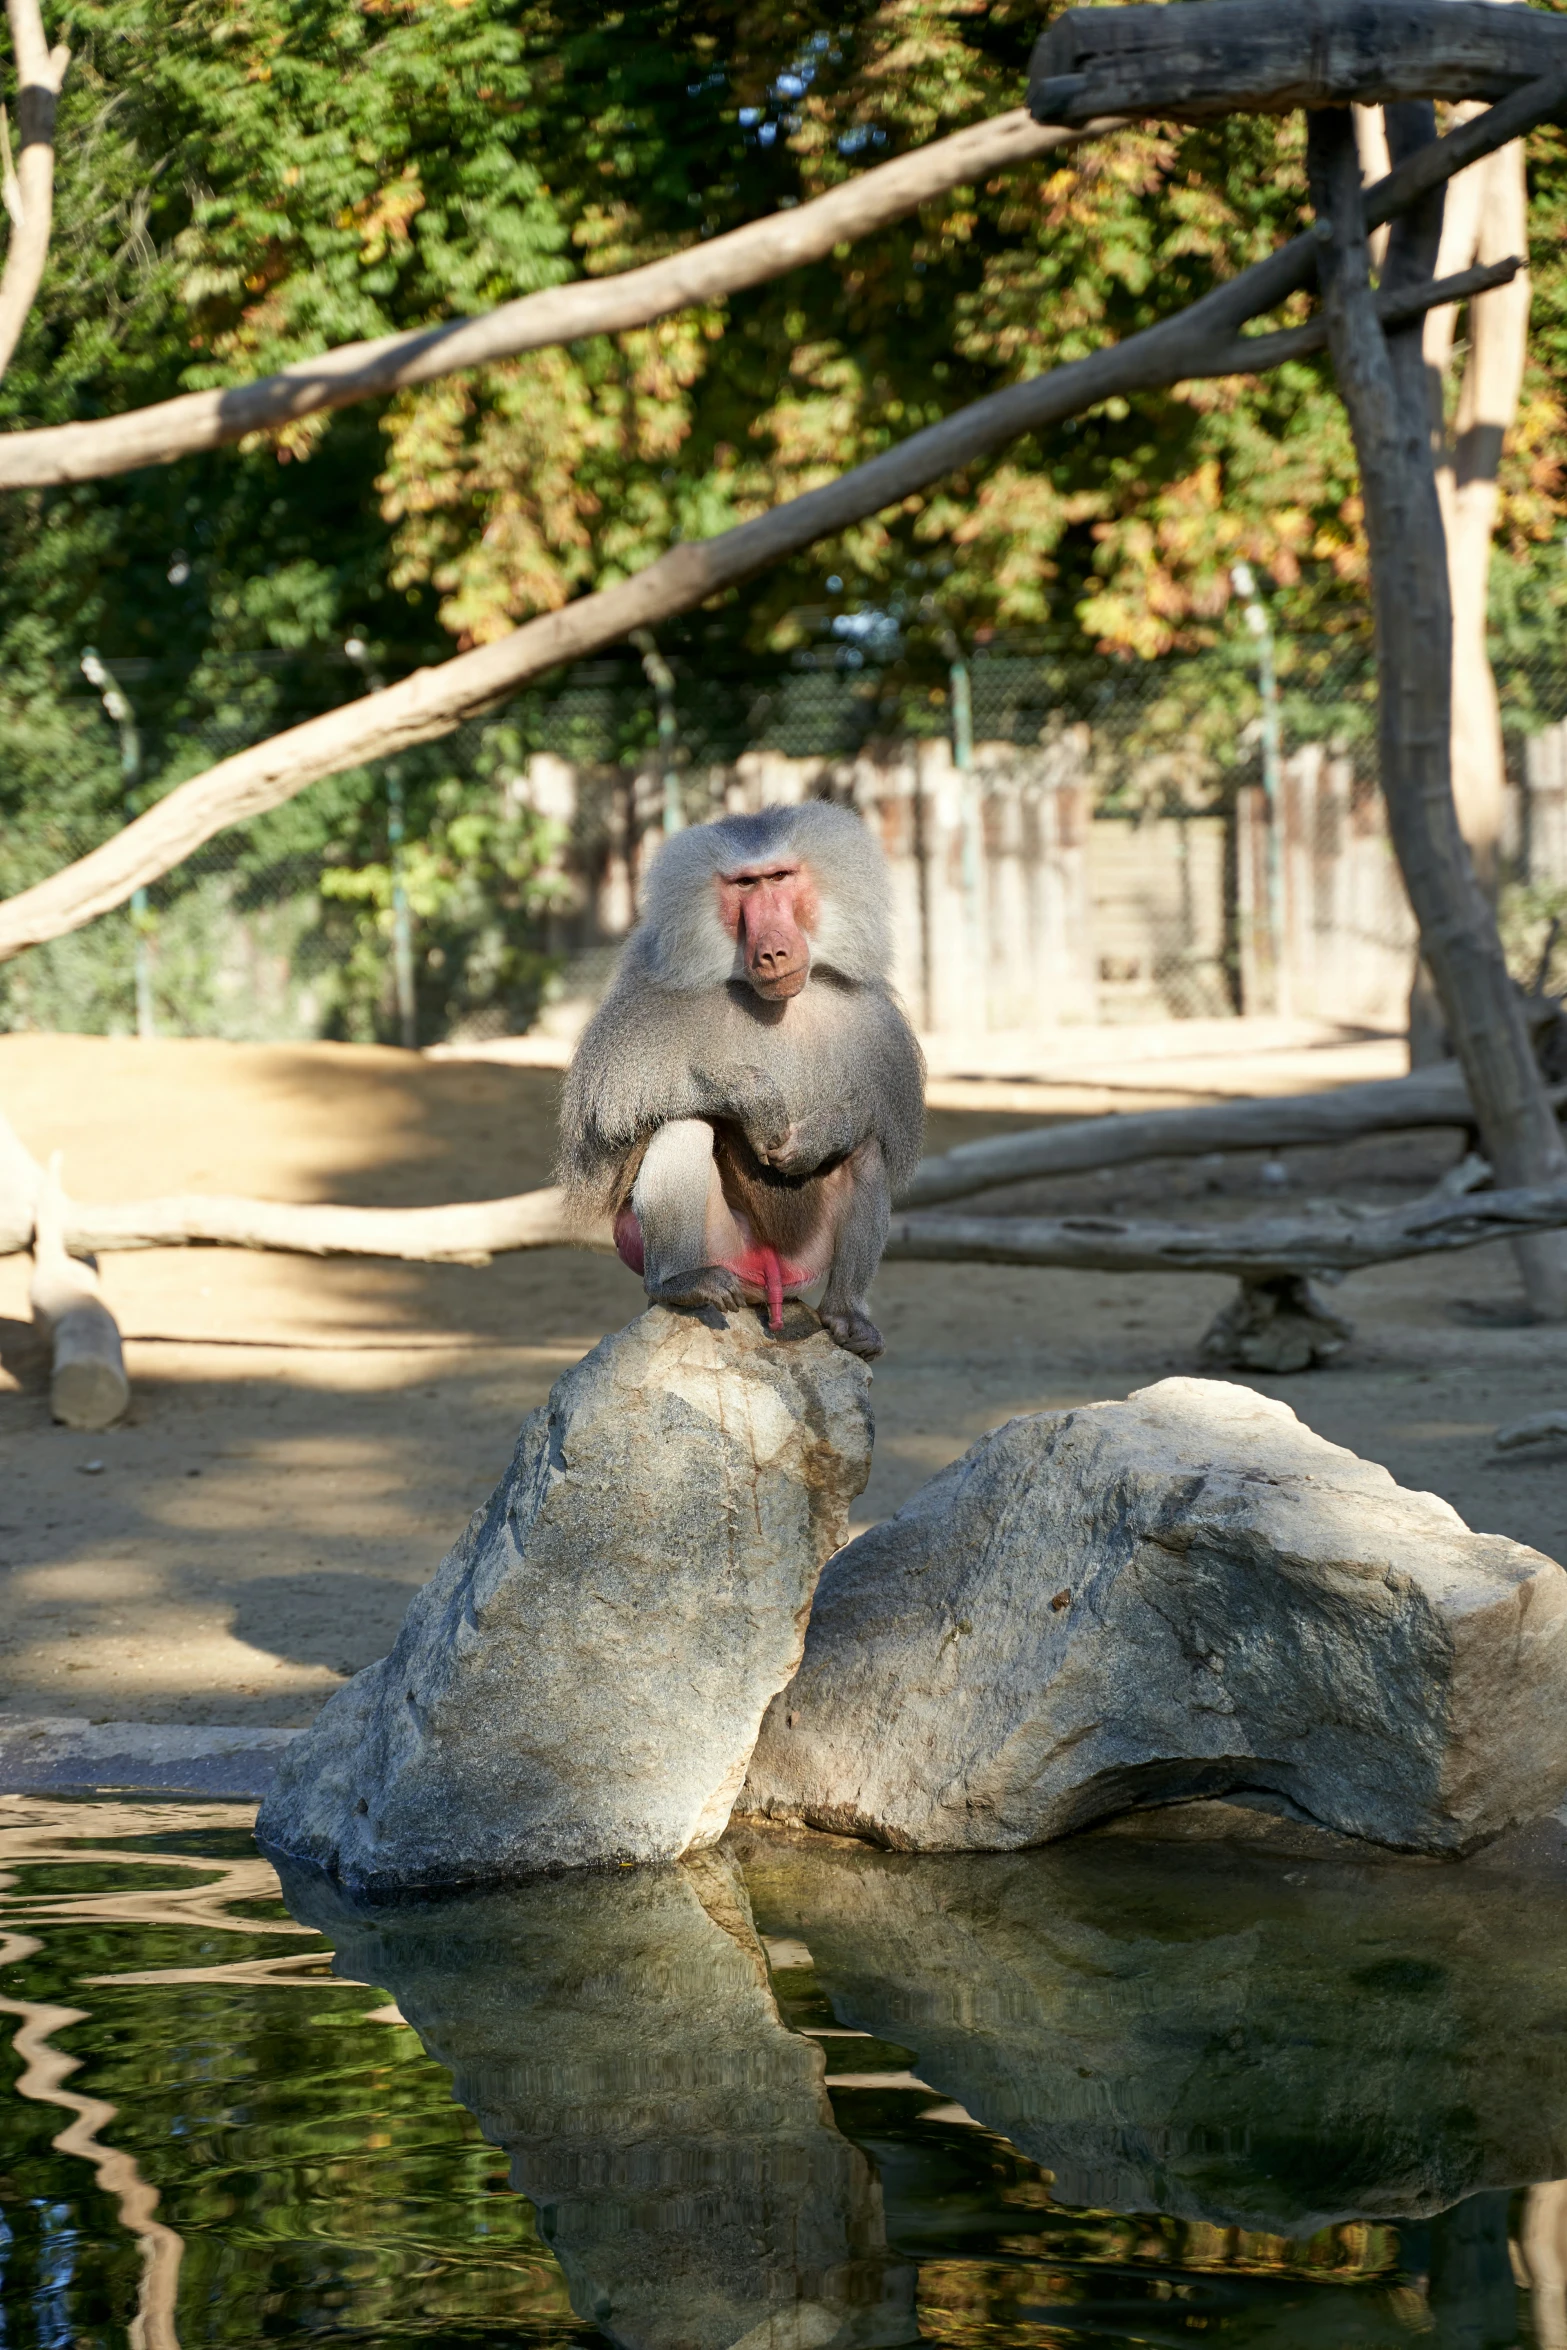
x=789 y=2097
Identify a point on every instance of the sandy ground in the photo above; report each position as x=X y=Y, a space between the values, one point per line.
x=306 y=1439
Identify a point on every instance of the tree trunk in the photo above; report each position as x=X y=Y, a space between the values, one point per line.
x=1382 y=379
x=1486 y=216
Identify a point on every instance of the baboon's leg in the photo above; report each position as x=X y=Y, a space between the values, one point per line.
x=680 y=1206
x=860 y=1238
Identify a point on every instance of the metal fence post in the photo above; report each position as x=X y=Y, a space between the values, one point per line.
x=1245 y=585
x=662 y=679
x=402 y=922
x=117 y=705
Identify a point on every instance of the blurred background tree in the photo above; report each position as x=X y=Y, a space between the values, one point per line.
x=241 y=187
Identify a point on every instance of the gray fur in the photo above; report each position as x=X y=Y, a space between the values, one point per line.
x=836 y=1070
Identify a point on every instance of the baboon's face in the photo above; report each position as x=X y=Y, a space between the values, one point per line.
x=771 y=908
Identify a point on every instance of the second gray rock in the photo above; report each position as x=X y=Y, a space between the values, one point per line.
x=1184 y=1594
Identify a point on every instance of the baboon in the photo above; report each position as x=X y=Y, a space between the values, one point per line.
x=749 y=1095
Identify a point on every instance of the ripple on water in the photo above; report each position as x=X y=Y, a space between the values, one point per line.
x=792 y=2095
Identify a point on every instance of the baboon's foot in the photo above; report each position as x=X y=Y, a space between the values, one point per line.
x=853 y=1330
x=704 y=1285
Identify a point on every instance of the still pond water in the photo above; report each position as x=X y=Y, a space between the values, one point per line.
x=783 y=2098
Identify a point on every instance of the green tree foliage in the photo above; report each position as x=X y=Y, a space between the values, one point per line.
x=245 y=184
x=241 y=187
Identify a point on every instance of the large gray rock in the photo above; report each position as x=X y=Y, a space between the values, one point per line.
x=583 y=1679
x=1183 y=1594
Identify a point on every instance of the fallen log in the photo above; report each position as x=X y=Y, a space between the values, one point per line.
x=467 y=1233
x=472 y=1232
x=1215 y=57
x=1335 y=1242
x=88 y=1387
x=1431 y=1097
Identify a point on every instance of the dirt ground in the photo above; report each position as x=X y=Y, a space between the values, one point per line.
x=306 y=1439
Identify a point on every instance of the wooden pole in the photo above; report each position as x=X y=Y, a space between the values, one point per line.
x=88 y=1387
x=1381 y=378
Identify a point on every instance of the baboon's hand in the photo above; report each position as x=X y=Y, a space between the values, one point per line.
x=790 y=1153
x=704 y=1285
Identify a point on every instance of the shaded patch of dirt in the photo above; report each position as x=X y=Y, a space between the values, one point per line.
x=307 y=1439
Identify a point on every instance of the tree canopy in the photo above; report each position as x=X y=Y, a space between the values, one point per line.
x=240 y=186
x=246 y=182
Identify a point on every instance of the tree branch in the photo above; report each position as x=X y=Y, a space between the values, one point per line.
x=1431 y=1097
x=1396 y=306
x=474 y=1231
x=1264 y=1246
x=29 y=184
x=1196 y=342
x=747 y=256
x=468 y=1233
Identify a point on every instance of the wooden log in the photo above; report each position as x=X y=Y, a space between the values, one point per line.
x=707 y=272
x=468 y=1233
x=474 y=1231
x=1338 y=1243
x=1382 y=380
x=1431 y=1097
x=88 y=1387
x=1213 y=57
x=1200 y=341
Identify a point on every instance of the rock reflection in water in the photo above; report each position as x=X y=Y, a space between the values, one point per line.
x=1251 y=2042
x=618 y=2036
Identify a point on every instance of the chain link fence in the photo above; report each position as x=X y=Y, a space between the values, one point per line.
x=287 y=927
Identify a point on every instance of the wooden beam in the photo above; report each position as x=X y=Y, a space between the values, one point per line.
x=1260 y=1247
x=1431 y=1097
x=468 y=1233
x=88 y=1387
x=1214 y=57
x=1196 y=342
x=710 y=272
